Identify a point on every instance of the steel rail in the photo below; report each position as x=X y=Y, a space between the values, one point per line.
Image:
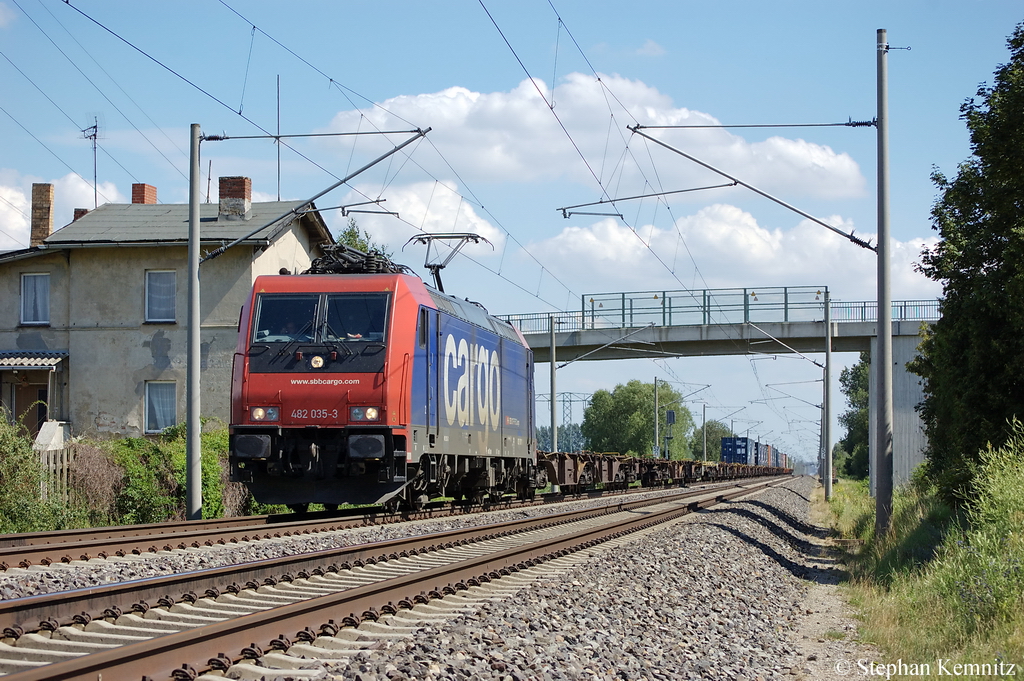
x=61 y=608
x=159 y=657
x=65 y=546
x=43 y=548
x=116 y=542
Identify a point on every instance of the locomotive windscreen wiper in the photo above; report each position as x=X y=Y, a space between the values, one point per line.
x=295 y=337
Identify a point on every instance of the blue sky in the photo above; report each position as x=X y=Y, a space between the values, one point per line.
x=498 y=160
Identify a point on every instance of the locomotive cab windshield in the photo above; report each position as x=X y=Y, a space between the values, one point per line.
x=320 y=318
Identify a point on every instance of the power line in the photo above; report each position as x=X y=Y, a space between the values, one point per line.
x=222 y=103
x=100 y=91
x=474 y=199
x=65 y=113
x=42 y=144
x=332 y=81
x=194 y=85
x=6 y=234
x=572 y=141
x=849 y=124
x=173 y=142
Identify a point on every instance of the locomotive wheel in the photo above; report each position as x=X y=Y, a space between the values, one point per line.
x=525 y=493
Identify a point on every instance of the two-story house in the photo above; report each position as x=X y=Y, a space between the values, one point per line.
x=93 y=316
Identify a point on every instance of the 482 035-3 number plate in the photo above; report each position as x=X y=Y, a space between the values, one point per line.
x=311 y=414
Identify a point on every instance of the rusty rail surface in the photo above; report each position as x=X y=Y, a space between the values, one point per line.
x=65 y=546
x=157 y=658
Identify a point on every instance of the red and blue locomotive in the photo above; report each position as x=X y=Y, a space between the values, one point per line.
x=357 y=383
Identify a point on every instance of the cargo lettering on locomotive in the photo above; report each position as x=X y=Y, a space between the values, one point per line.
x=472 y=384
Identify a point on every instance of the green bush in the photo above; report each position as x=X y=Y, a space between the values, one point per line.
x=980 y=568
x=214 y=454
x=940 y=584
x=126 y=481
x=155 y=473
x=22 y=507
x=149 y=489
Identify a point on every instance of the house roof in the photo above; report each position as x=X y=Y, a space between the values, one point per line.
x=151 y=224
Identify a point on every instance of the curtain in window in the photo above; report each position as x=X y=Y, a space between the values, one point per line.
x=160 y=296
x=160 y=406
x=35 y=298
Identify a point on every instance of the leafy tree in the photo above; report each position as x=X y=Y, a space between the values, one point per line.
x=854 y=384
x=570 y=438
x=360 y=239
x=623 y=420
x=716 y=431
x=972 y=359
x=840 y=459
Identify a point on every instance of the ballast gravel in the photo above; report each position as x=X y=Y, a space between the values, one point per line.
x=712 y=596
x=39 y=579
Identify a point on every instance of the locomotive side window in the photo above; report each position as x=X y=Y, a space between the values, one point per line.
x=285 y=318
x=355 y=317
x=424 y=329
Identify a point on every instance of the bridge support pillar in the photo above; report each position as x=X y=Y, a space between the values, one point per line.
x=907 y=428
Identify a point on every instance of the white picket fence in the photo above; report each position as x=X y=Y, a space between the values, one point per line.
x=55 y=450
x=56 y=482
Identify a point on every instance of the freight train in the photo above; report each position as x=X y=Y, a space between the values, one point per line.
x=743 y=450
x=355 y=382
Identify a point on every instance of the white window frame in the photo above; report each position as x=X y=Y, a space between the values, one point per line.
x=46 y=311
x=150 y=405
x=150 y=315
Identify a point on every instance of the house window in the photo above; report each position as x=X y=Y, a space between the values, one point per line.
x=161 y=405
x=160 y=293
x=35 y=299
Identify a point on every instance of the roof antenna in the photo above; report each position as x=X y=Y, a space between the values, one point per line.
x=435 y=267
x=91 y=133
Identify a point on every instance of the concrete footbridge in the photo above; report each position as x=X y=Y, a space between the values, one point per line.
x=740 y=321
x=734 y=321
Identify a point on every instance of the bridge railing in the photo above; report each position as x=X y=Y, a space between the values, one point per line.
x=715 y=307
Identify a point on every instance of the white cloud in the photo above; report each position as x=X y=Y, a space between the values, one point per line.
x=428 y=206
x=651 y=49
x=731 y=250
x=7 y=15
x=512 y=136
x=15 y=209
x=69 y=192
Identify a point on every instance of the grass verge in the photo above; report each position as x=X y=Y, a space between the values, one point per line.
x=942 y=585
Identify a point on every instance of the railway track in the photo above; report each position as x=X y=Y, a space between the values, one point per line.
x=153 y=627
x=66 y=546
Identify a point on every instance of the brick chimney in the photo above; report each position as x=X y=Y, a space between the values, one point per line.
x=80 y=212
x=235 y=198
x=143 y=193
x=42 y=212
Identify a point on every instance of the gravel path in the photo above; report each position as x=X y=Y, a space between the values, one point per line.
x=719 y=594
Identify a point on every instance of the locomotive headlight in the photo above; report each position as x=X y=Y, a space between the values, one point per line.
x=264 y=414
x=364 y=414
x=317 y=362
